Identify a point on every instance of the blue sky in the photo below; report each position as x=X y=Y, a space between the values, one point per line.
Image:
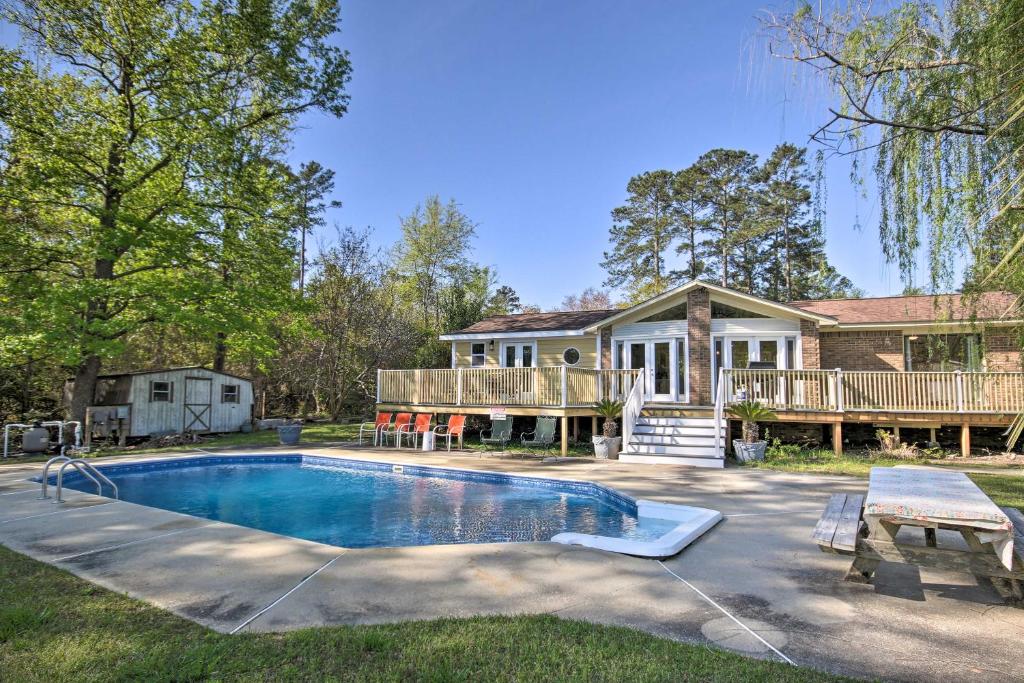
x=534 y=114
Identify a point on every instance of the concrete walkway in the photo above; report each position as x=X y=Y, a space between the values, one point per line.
x=755 y=583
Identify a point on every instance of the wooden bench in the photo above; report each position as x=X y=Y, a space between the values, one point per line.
x=840 y=524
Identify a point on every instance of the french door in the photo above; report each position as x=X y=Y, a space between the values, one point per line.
x=517 y=355
x=665 y=363
x=741 y=352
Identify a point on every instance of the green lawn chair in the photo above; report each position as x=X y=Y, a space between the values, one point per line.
x=499 y=433
x=543 y=435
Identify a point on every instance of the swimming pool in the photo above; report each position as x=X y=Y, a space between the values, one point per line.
x=363 y=504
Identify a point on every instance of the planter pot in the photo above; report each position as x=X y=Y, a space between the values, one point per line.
x=607 y=447
x=288 y=435
x=745 y=452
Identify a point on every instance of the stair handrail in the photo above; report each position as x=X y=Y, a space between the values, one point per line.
x=633 y=405
x=85 y=468
x=719 y=411
x=46 y=473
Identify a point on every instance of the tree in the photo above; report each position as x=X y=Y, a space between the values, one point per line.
x=726 y=177
x=504 y=301
x=642 y=231
x=104 y=129
x=690 y=207
x=311 y=185
x=590 y=299
x=432 y=255
x=932 y=93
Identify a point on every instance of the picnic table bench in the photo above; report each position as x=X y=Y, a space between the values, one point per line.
x=865 y=527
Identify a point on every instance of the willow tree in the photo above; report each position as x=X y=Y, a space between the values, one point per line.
x=931 y=98
x=112 y=117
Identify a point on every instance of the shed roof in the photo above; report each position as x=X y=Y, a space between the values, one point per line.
x=176 y=369
x=917 y=309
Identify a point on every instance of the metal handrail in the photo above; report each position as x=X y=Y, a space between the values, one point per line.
x=46 y=470
x=85 y=468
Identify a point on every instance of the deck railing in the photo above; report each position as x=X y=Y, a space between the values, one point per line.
x=554 y=386
x=839 y=390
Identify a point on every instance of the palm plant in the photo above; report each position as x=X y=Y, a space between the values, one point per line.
x=751 y=412
x=610 y=411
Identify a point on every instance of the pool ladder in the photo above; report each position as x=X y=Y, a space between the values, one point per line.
x=85 y=468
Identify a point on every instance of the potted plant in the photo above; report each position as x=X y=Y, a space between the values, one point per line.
x=608 y=445
x=750 y=447
x=288 y=434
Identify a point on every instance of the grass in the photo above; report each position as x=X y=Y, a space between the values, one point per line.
x=57 y=627
x=1004 y=489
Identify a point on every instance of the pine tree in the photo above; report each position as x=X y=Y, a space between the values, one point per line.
x=642 y=232
x=726 y=189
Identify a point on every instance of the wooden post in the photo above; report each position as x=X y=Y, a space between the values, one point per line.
x=565 y=435
x=565 y=388
x=933 y=436
x=593 y=426
x=837 y=437
x=575 y=428
x=896 y=434
x=965 y=439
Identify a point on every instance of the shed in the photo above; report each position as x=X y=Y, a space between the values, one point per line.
x=169 y=401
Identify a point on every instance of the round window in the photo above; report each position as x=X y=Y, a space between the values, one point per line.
x=571 y=356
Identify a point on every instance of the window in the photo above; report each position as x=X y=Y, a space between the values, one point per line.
x=719 y=310
x=571 y=356
x=677 y=312
x=478 y=355
x=229 y=393
x=942 y=352
x=161 y=391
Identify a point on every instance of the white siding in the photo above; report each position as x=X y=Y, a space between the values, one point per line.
x=754 y=326
x=169 y=416
x=667 y=328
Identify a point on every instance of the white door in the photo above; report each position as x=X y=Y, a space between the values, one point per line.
x=660 y=358
x=517 y=355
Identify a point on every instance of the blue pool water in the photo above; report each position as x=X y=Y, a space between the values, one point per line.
x=359 y=504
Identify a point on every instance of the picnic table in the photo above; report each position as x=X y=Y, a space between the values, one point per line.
x=867 y=527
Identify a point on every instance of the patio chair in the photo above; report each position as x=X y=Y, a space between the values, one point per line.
x=396 y=428
x=377 y=426
x=500 y=432
x=542 y=435
x=455 y=427
x=413 y=431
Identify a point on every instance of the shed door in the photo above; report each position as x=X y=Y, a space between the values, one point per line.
x=198 y=400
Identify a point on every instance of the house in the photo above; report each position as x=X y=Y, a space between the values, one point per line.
x=168 y=401
x=680 y=358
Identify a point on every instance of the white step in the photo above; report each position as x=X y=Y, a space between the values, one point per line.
x=672 y=440
x=642 y=458
x=677 y=421
x=664 y=449
x=676 y=431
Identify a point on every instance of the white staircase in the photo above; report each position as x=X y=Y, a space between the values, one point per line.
x=675 y=434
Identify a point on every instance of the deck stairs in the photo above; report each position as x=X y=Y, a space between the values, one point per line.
x=675 y=433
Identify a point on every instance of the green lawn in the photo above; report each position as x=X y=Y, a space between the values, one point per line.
x=57 y=627
x=1004 y=489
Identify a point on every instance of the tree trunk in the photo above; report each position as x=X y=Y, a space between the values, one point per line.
x=220 y=352
x=84 y=389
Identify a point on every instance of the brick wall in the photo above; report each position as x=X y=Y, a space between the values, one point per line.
x=810 y=345
x=606 y=347
x=1002 y=352
x=698 y=313
x=861 y=350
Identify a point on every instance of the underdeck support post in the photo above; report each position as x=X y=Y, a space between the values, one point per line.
x=837 y=437
x=965 y=440
x=565 y=435
x=593 y=425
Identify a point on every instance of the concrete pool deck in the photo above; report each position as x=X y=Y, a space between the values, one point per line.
x=755 y=583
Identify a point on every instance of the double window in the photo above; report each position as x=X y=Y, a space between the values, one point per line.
x=942 y=352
